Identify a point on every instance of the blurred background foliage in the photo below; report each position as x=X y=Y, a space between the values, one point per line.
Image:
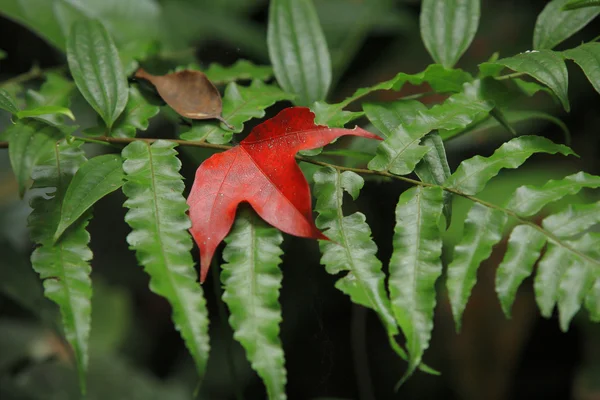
x=334 y=350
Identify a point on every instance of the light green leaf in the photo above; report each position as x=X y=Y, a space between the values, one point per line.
x=55 y=91
x=415 y=267
x=483 y=229
x=572 y=221
x=587 y=56
x=45 y=110
x=457 y=111
x=93 y=180
x=578 y=279
x=28 y=141
x=554 y=24
x=592 y=301
x=546 y=66
x=528 y=200
x=136 y=115
x=241 y=70
x=576 y=4
x=448 y=28
x=7 y=102
x=473 y=174
x=96 y=69
x=524 y=248
x=351 y=248
x=332 y=115
x=64 y=266
x=550 y=270
x=252 y=279
x=240 y=104
x=160 y=238
x=433 y=168
x=298 y=50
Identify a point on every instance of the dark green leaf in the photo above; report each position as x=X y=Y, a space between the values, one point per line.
x=415 y=267
x=28 y=141
x=7 y=102
x=135 y=116
x=448 y=28
x=64 y=266
x=241 y=70
x=93 y=180
x=160 y=238
x=240 y=104
x=45 y=110
x=483 y=229
x=96 y=69
x=587 y=56
x=575 y=4
x=252 y=278
x=298 y=50
x=554 y=24
x=473 y=174
x=529 y=200
x=524 y=248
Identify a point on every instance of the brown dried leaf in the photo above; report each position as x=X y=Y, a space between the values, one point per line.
x=189 y=93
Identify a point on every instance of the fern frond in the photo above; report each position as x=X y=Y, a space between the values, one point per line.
x=351 y=248
x=415 y=266
x=157 y=217
x=575 y=219
x=524 y=247
x=64 y=265
x=472 y=175
x=483 y=229
x=252 y=278
x=592 y=300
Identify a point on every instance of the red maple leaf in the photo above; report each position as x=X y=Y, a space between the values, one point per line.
x=262 y=171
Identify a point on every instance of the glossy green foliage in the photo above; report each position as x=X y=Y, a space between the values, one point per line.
x=554 y=24
x=351 y=248
x=573 y=220
x=136 y=115
x=160 y=238
x=298 y=50
x=587 y=56
x=546 y=66
x=448 y=28
x=45 y=110
x=96 y=68
x=252 y=279
x=8 y=103
x=576 y=4
x=64 y=265
x=93 y=180
x=28 y=141
x=240 y=104
x=401 y=151
x=242 y=70
x=483 y=230
x=472 y=175
x=415 y=266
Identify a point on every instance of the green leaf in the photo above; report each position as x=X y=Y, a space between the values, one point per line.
x=529 y=200
x=351 y=248
x=240 y=104
x=45 y=110
x=241 y=70
x=96 y=69
x=64 y=266
x=578 y=279
x=554 y=24
x=546 y=66
x=483 y=229
x=592 y=301
x=448 y=28
x=298 y=50
x=576 y=4
x=433 y=168
x=524 y=247
x=160 y=238
x=93 y=180
x=55 y=91
x=587 y=56
x=572 y=221
x=457 y=111
x=252 y=279
x=550 y=270
x=472 y=175
x=415 y=267
x=7 y=102
x=28 y=140
x=332 y=115
x=136 y=115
